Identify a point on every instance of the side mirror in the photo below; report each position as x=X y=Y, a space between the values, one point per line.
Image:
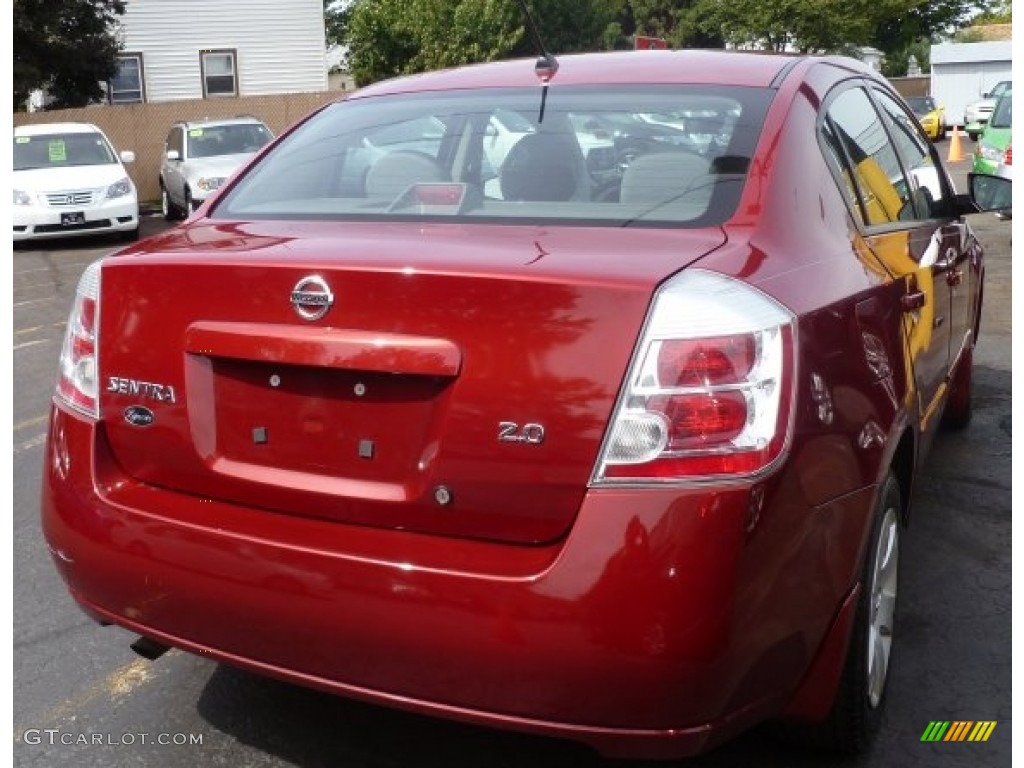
x=991 y=192
x=172 y=154
x=127 y=156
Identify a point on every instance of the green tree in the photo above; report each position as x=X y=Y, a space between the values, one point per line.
x=336 y=20
x=807 y=26
x=393 y=37
x=930 y=20
x=67 y=47
x=677 y=21
x=995 y=12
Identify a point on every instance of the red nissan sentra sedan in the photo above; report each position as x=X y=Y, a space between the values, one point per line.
x=596 y=432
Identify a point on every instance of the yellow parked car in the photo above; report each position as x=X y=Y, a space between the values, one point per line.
x=932 y=116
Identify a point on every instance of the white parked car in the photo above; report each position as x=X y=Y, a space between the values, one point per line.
x=977 y=113
x=200 y=156
x=68 y=180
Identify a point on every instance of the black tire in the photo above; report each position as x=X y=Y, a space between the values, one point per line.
x=857 y=711
x=169 y=209
x=959 y=407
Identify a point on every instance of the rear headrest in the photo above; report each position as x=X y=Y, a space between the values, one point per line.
x=662 y=176
x=541 y=167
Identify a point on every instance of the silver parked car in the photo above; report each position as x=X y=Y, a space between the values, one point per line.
x=199 y=156
x=977 y=113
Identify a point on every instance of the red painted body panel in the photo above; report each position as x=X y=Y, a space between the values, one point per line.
x=415 y=326
x=645 y=621
x=600 y=69
x=664 y=597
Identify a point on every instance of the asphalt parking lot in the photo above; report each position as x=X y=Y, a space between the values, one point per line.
x=82 y=698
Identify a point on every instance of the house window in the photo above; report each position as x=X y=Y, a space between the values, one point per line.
x=220 y=75
x=127 y=86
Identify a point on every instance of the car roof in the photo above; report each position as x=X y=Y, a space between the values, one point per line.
x=711 y=67
x=48 y=128
x=210 y=122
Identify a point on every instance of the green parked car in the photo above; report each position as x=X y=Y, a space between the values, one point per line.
x=994 y=143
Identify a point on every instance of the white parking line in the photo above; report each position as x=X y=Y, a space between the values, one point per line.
x=34 y=328
x=31 y=422
x=120 y=683
x=28 y=445
x=34 y=301
x=25 y=344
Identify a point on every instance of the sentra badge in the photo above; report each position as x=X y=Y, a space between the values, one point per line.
x=162 y=393
x=312 y=297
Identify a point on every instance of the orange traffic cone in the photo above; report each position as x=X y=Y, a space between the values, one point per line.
x=956 y=154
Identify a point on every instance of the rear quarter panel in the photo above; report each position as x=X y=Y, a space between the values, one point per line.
x=793 y=238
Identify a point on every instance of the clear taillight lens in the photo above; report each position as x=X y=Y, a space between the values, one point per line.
x=710 y=390
x=78 y=380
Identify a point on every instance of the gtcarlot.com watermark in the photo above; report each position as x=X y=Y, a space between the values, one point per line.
x=54 y=736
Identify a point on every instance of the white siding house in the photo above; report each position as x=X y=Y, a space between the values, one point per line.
x=963 y=72
x=194 y=49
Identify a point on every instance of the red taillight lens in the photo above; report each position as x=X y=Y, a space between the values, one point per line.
x=701 y=420
x=710 y=391
x=1008 y=158
x=703 y=362
x=79 y=366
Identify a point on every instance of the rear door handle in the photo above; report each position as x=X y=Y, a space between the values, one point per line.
x=912 y=301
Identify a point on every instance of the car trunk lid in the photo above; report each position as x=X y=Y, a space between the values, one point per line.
x=459 y=383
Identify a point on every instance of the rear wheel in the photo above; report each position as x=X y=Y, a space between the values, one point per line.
x=857 y=710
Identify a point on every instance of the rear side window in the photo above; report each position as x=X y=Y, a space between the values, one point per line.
x=924 y=171
x=871 y=166
x=659 y=155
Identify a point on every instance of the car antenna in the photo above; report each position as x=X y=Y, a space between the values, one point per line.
x=547 y=64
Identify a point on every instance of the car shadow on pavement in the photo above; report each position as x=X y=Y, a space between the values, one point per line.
x=312 y=729
x=955 y=600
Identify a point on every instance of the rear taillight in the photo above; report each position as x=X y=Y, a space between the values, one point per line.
x=78 y=379
x=1008 y=157
x=710 y=390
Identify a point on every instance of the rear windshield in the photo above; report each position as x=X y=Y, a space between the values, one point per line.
x=61 y=150
x=610 y=156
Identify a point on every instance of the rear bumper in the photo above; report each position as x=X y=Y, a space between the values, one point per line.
x=643 y=634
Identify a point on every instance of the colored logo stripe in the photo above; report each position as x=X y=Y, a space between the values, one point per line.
x=982 y=731
x=958 y=730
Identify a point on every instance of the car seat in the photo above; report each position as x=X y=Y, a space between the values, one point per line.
x=544 y=167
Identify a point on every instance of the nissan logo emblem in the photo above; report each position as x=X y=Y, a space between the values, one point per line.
x=312 y=297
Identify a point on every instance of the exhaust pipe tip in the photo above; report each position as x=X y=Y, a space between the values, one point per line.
x=148 y=648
